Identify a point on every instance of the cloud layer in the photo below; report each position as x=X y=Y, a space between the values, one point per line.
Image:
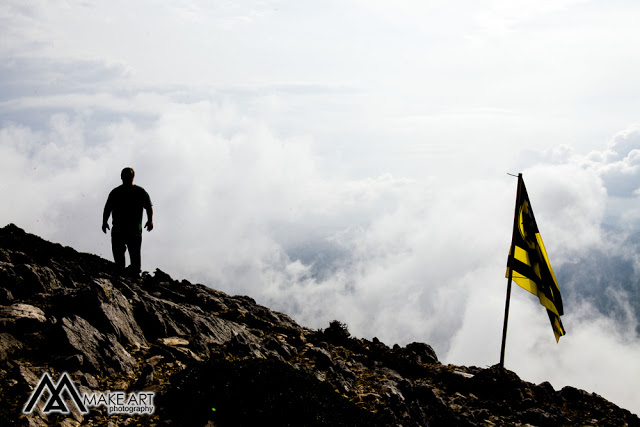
x=247 y=211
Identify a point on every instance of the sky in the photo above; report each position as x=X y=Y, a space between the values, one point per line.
x=349 y=160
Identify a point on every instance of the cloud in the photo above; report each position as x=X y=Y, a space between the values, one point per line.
x=619 y=164
x=573 y=201
x=400 y=277
x=247 y=211
x=594 y=341
x=502 y=16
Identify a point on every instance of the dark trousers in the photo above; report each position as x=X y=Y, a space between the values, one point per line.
x=120 y=242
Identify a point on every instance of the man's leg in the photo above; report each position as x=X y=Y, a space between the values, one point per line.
x=118 y=247
x=134 y=244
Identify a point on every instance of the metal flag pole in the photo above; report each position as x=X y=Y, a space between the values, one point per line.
x=508 y=300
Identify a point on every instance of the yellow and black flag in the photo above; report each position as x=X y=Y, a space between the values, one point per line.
x=528 y=263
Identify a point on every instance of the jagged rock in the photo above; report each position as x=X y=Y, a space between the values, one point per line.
x=497 y=384
x=539 y=417
x=105 y=306
x=159 y=318
x=26 y=374
x=146 y=378
x=280 y=346
x=173 y=341
x=342 y=368
x=101 y=353
x=200 y=349
x=245 y=345
x=321 y=357
x=421 y=352
x=20 y=315
x=87 y=380
x=8 y=345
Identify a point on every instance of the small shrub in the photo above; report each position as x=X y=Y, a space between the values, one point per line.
x=337 y=331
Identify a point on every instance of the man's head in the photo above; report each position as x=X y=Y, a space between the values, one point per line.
x=127 y=176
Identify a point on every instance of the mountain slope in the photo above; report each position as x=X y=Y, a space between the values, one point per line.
x=208 y=358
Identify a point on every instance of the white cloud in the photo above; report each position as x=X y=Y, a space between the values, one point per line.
x=570 y=203
x=595 y=340
x=404 y=259
x=502 y=16
x=619 y=164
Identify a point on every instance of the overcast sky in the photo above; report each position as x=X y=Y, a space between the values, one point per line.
x=348 y=159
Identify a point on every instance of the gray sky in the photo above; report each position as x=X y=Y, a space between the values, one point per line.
x=348 y=160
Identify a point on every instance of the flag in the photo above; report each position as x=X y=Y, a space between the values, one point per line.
x=528 y=263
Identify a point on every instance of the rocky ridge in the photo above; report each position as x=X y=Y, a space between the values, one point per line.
x=220 y=360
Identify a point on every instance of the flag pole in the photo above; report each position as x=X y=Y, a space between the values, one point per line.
x=508 y=299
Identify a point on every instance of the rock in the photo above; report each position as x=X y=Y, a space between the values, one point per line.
x=146 y=378
x=101 y=353
x=423 y=353
x=9 y=345
x=26 y=376
x=284 y=350
x=173 y=341
x=497 y=384
x=23 y=315
x=343 y=369
x=539 y=417
x=87 y=380
x=29 y=281
x=159 y=318
x=245 y=345
x=154 y=360
x=321 y=357
x=73 y=362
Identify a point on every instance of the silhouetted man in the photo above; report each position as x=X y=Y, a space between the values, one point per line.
x=126 y=203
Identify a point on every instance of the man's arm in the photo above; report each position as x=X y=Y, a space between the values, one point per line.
x=149 y=224
x=105 y=216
